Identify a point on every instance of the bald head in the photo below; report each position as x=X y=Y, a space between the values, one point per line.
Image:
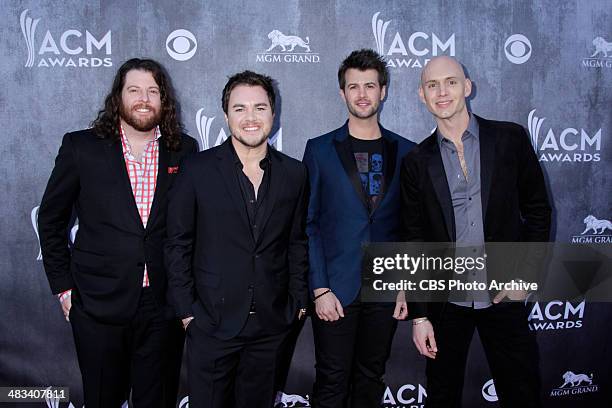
x=444 y=88
x=441 y=66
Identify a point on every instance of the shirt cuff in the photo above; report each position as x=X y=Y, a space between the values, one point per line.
x=64 y=295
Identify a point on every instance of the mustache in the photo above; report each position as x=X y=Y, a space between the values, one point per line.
x=143 y=105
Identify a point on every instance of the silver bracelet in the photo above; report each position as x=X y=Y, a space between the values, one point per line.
x=419 y=321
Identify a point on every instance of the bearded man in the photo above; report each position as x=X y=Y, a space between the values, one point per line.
x=112 y=283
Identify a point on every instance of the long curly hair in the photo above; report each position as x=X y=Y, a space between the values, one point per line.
x=106 y=125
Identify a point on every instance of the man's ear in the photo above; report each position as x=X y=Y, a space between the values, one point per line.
x=342 y=95
x=383 y=92
x=468 y=87
x=421 y=94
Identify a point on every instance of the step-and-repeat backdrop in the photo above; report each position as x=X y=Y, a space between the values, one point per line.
x=545 y=64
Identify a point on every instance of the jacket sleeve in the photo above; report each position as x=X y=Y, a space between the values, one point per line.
x=318 y=271
x=411 y=217
x=298 y=246
x=178 y=246
x=535 y=212
x=533 y=198
x=54 y=216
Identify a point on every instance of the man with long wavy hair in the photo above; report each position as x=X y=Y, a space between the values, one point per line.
x=112 y=284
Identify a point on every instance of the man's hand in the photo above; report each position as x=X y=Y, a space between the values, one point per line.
x=510 y=294
x=66 y=305
x=186 y=322
x=328 y=306
x=423 y=338
x=401 y=308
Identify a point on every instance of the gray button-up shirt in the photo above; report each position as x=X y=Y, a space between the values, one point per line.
x=467 y=205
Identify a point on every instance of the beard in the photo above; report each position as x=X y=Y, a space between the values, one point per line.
x=363 y=115
x=251 y=142
x=141 y=124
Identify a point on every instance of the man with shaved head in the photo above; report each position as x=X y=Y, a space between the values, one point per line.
x=473 y=181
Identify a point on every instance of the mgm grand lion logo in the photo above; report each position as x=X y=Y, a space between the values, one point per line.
x=576 y=379
x=288 y=49
x=575 y=384
x=595 y=225
x=602 y=47
x=283 y=41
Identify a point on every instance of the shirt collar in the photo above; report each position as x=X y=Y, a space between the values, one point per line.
x=127 y=149
x=472 y=129
x=263 y=163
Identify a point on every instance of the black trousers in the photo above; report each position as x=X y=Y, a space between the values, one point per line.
x=116 y=360
x=351 y=355
x=509 y=345
x=239 y=372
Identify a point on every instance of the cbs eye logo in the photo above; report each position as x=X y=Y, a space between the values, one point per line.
x=181 y=45
x=517 y=49
x=488 y=391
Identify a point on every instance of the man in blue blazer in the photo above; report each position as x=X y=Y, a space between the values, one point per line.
x=354 y=175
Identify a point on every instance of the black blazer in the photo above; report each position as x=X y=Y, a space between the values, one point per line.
x=513 y=193
x=215 y=267
x=106 y=266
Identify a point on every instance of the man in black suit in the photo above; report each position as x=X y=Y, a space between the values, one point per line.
x=473 y=181
x=112 y=285
x=237 y=253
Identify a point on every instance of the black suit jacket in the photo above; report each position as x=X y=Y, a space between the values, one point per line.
x=106 y=266
x=215 y=267
x=513 y=193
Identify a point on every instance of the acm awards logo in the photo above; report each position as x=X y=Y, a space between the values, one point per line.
x=556 y=315
x=420 y=45
x=208 y=137
x=602 y=55
x=34 y=220
x=406 y=396
x=288 y=49
x=569 y=145
x=575 y=384
x=75 y=49
x=596 y=231
x=181 y=44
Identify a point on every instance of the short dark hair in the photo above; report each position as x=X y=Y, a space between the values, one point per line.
x=248 y=78
x=362 y=60
x=106 y=124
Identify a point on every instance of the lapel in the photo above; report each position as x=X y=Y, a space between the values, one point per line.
x=435 y=167
x=114 y=155
x=277 y=184
x=390 y=157
x=161 y=186
x=487 y=162
x=342 y=143
x=225 y=163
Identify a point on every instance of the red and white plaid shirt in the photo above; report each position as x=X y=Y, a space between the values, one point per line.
x=143 y=178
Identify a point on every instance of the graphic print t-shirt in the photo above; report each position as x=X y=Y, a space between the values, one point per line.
x=370 y=164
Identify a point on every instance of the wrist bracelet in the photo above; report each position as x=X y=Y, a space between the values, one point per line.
x=321 y=294
x=419 y=321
